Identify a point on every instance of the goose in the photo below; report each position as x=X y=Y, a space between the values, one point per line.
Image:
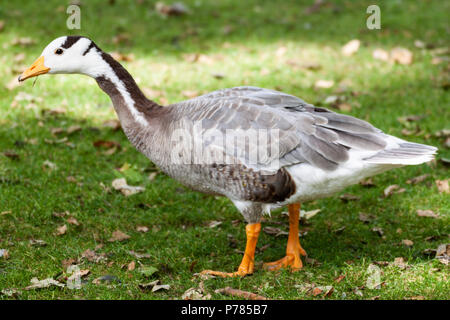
x=262 y=149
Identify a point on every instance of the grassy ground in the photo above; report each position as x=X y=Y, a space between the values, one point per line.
x=242 y=41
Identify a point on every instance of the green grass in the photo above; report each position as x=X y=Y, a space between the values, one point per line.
x=179 y=242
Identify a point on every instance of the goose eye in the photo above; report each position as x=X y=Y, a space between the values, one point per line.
x=59 y=51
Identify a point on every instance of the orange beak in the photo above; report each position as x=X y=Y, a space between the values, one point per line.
x=36 y=69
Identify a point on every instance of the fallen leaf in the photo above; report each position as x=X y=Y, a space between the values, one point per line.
x=367 y=183
x=213 y=224
x=131 y=266
x=92 y=256
x=274 y=231
x=24 y=42
x=61 y=230
x=140 y=255
x=443 y=186
x=380 y=54
x=392 y=189
x=118 y=236
x=148 y=271
x=106 y=279
x=427 y=213
x=401 y=56
x=194 y=294
x=351 y=47
x=38 y=243
x=407 y=242
x=366 y=218
x=240 y=294
x=160 y=287
x=4 y=253
x=323 y=84
x=11 y=292
x=378 y=231
x=308 y=214
x=49 y=165
x=73 y=221
x=340 y=278
x=315 y=7
x=443 y=253
x=346 y=197
x=11 y=154
x=121 y=185
x=175 y=9
x=39 y=284
x=190 y=94
x=142 y=229
x=417 y=179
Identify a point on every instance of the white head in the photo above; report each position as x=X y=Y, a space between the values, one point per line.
x=68 y=54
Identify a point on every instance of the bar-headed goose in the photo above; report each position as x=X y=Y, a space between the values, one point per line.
x=260 y=148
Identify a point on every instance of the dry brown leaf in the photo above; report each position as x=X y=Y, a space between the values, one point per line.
x=378 y=231
x=417 y=179
x=443 y=186
x=39 y=284
x=131 y=266
x=175 y=9
x=92 y=256
x=400 y=262
x=118 y=236
x=240 y=294
x=367 y=183
x=407 y=242
x=392 y=189
x=366 y=218
x=323 y=84
x=73 y=221
x=274 y=231
x=340 y=278
x=4 y=253
x=427 y=213
x=121 y=185
x=213 y=224
x=401 y=56
x=346 y=197
x=190 y=93
x=380 y=54
x=351 y=47
x=142 y=229
x=195 y=294
x=37 y=243
x=61 y=230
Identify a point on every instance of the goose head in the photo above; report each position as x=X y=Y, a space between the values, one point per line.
x=68 y=54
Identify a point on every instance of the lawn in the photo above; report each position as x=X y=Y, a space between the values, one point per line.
x=58 y=158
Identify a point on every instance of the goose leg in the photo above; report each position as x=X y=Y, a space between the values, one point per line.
x=247 y=265
x=293 y=248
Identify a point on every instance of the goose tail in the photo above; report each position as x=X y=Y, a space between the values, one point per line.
x=406 y=153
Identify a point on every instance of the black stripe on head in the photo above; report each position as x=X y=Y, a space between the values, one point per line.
x=91 y=45
x=70 y=41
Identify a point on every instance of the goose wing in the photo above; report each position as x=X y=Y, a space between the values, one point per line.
x=266 y=129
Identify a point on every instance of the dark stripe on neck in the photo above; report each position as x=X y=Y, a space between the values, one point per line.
x=141 y=103
x=91 y=45
x=70 y=41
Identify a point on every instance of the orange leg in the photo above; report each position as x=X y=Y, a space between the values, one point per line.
x=247 y=265
x=293 y=248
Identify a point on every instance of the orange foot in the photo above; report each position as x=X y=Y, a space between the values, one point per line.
x=291 y=260
x=247 y=265
x=293 y=249
x=243 y=270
